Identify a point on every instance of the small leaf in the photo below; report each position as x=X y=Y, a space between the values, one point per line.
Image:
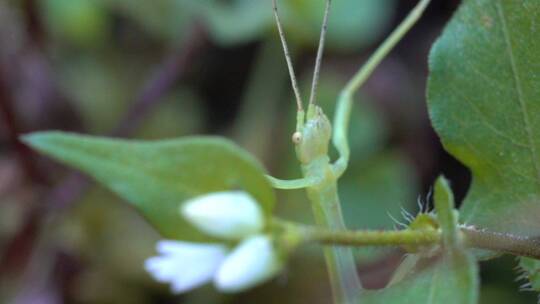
x=446 y=214
x=158 y=176
x=453 y=279
x=484 y=102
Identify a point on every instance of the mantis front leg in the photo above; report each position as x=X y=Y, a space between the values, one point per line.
x=289 y=184
x=345 y=100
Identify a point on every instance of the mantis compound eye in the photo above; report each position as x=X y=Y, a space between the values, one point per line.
x=297 y=137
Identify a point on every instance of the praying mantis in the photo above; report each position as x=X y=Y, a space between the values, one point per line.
x=312 y=138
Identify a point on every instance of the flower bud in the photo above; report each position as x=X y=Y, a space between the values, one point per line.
x=252 y=262
x=229 y=214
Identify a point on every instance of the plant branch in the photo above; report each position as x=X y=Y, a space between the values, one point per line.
x=502 y=242
x=471 y=237
x=371 y=237
x=363 y=74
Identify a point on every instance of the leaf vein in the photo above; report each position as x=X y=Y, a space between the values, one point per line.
x=432 y=288
x=519 y=90
x=489 y=125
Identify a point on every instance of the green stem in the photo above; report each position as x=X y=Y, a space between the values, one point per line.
x=385 y=48
x=345 y=100
x=471 y=238
x=373 y=238
x=502 y=242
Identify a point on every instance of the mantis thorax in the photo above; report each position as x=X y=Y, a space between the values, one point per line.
x=312 y=136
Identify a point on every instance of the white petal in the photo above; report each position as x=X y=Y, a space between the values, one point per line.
x=230 y=214
x=185 y=265
x=252 y=262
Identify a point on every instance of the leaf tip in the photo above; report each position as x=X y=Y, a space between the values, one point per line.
x=38 y=140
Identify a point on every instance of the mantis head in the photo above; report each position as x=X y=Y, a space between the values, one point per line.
x=312 y=136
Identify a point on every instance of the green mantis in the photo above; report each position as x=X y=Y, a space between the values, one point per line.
x=312 y=137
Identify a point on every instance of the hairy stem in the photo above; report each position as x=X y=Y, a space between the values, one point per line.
x=471 y=237
x=502 y=242
x=373 y=238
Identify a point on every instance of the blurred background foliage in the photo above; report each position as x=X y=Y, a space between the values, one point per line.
x=168 y=68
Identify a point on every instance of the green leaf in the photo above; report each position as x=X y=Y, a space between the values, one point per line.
x=484 y=102
x=453 y=279
x=157 y=176
x=446 y=214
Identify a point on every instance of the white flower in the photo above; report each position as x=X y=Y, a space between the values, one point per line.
x=229 y=215
x=189 y=265
x=252 y=262
x=185 y=265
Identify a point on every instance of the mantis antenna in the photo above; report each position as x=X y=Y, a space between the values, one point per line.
x=299 y=101
x=320 y=51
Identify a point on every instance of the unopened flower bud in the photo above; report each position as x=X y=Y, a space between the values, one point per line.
x=229 y=215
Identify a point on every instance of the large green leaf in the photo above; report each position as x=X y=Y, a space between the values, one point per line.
x=484 y=102
x=156 y=176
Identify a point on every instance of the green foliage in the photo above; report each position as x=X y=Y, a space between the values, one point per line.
x=451 y=277
x=159 y=18
x=156 y=176
x=301 y=18
x=222 y=18
x=446 y=214
x=346 y=30
x=82 y=22
x=483 y=101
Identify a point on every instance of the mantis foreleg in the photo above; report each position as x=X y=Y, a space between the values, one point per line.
x=345 y=99
x=290 y=183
